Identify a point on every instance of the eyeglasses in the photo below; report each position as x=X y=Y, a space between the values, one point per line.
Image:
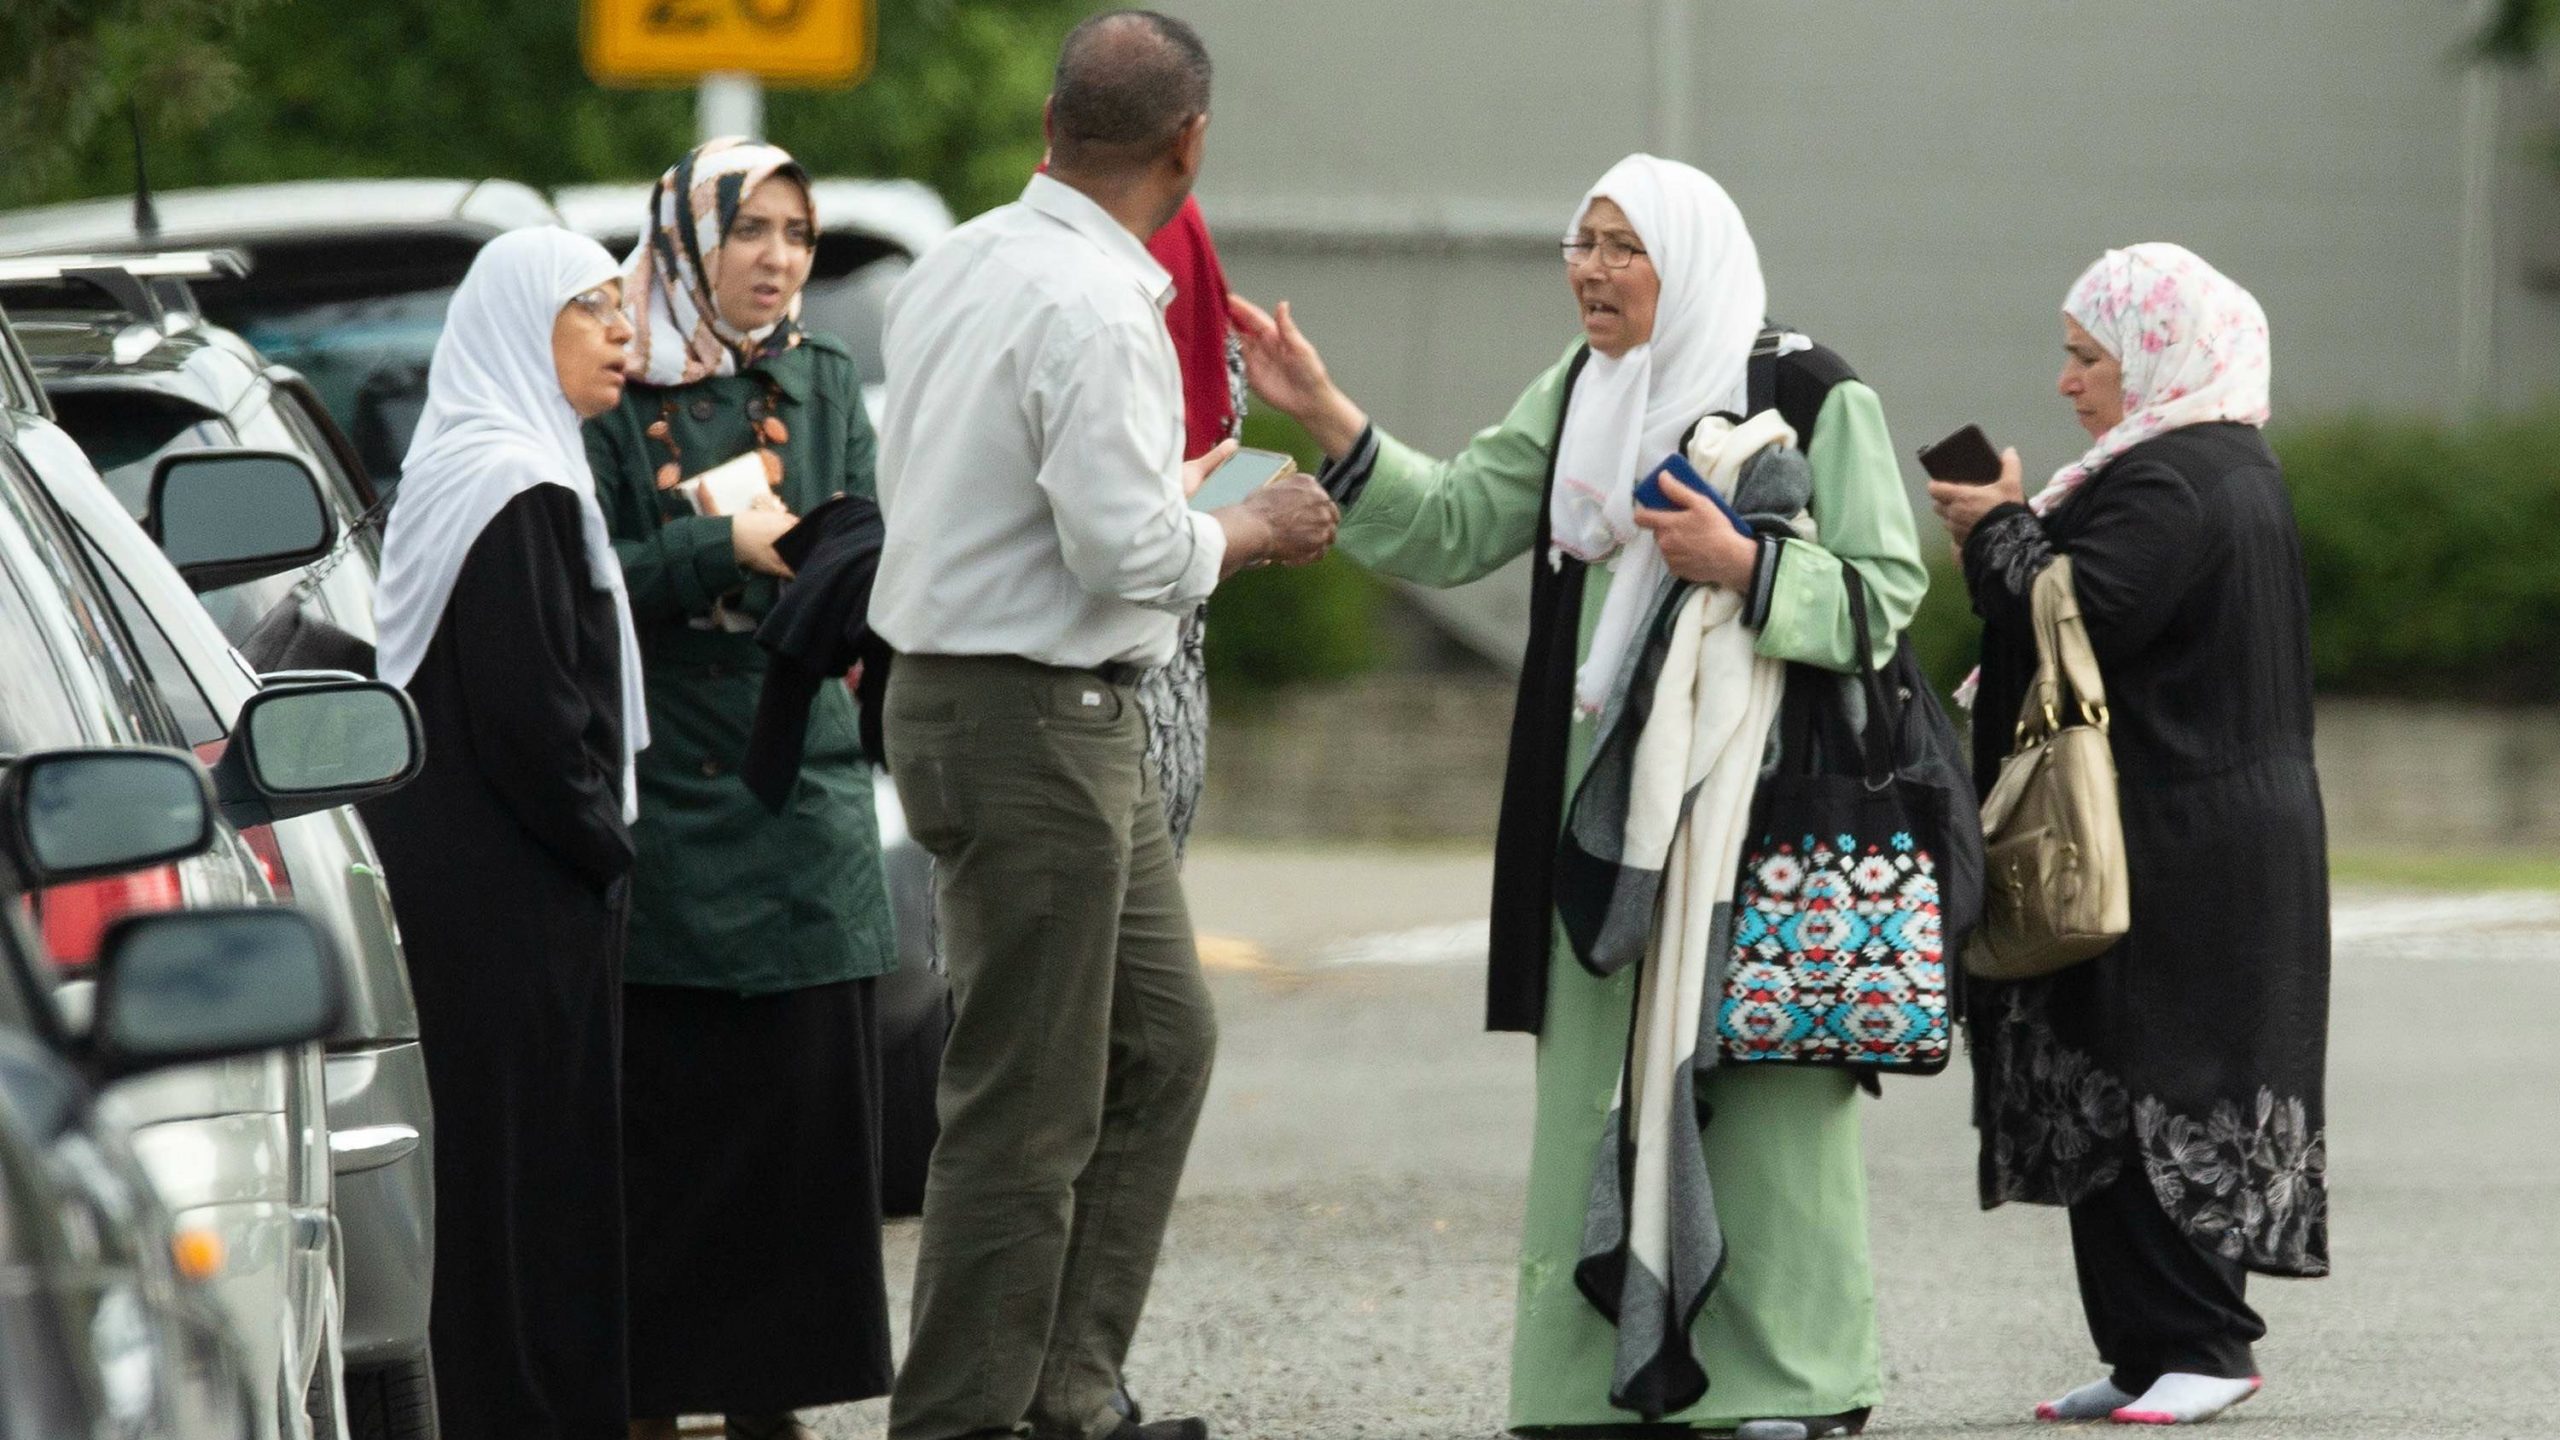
x=1614 y=254
x=599 y=304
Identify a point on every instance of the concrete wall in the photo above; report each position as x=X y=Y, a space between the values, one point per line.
x=1417 y=757
x=1924 y=180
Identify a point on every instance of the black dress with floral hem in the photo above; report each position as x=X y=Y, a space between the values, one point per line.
x=2196 y=1048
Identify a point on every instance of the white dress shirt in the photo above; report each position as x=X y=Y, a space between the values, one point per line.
x=1031 y=446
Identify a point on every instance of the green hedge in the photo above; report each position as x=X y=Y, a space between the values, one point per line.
x=1277 y=627
x=1944 y=633
x=2433 y=554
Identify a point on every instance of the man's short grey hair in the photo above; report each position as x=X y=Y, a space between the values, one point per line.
x=1127 y=81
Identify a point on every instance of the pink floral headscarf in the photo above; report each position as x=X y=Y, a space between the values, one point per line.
x=2192 y=342
x=2194 y=349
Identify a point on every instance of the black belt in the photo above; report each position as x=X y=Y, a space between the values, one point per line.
x=1118 y=672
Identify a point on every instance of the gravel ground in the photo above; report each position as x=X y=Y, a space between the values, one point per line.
x=1340 y=1267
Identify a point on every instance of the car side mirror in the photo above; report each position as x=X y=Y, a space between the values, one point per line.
x=226 y=517
x=77 y=814
x=311 y=745
x=184 y=985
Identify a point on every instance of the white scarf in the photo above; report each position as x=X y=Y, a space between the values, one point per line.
x=1628 y=411
x=496 y=424
x=1694 y=773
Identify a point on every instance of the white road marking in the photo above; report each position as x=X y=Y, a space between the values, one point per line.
x=2496 y=925
x=1462 y=943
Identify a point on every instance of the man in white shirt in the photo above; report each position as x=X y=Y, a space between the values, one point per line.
x=1040 y=552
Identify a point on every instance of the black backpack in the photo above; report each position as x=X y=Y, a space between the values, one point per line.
x=1929 y=750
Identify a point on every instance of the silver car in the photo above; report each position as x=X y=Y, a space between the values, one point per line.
x=106 y=1329
x=243 y=1146
x=134 y=391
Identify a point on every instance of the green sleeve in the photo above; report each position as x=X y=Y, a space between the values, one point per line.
x=673 y=570
x=1865 y=520
x=1446 y=522
x=861 y=450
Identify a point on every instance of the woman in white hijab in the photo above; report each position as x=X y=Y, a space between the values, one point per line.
x=502 y=613
x=1778 y=1338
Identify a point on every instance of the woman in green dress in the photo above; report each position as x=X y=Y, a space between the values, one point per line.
x=1671 y=301
x=750 y=1056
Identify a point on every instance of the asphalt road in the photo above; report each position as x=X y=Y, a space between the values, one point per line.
x=1341 y=1263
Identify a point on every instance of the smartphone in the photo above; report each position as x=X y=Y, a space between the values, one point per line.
x=1966 y=458
x=1240 y=475
x=1649 y=489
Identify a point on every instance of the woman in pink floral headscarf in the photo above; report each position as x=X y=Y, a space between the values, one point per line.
x=2169 y=1091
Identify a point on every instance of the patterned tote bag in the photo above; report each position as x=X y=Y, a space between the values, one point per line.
x=1840 y=938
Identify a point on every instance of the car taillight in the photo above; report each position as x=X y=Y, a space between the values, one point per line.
x=262 y=843
x=77 y=914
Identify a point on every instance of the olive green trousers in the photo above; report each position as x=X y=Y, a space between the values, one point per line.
x=1079 y=1053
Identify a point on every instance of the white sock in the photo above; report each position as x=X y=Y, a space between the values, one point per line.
x=2176 y=1399
x=1814 y=1429
x=2094 y=1401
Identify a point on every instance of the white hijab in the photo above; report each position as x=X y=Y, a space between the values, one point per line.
x=496 y=424
x=1628 y=411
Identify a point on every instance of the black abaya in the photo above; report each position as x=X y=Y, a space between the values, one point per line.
x=2191 y=1054
x=506 y=860
x=753 y=1183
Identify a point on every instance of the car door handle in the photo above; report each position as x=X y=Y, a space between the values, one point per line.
x=370 y=1147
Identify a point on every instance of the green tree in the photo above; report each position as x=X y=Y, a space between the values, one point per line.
x=68 y=67
x=2517 y=31
x=474 y=88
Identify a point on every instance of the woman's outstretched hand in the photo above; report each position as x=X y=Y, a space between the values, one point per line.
x=1284 y=369
x=1961 y=507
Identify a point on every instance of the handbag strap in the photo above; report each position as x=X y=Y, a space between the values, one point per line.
x=2066 y=665
x=1882 y=740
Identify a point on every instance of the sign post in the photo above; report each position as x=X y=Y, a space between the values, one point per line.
x=728 y=104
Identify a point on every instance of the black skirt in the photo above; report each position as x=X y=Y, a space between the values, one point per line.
x=752 y=1199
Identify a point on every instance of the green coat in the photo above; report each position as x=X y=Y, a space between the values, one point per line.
x=1791 y=1327
x=726 y=895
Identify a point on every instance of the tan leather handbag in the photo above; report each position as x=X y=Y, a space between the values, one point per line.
x=2053 y=838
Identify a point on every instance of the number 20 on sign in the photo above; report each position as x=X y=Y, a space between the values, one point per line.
x=802 y=42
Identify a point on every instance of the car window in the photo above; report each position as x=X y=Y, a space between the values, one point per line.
x=366 y=356
x=19 y=389
x=126 y=434
x=40 y=698
x=853 y=308
x=197 y=719
x=67 y=674
x=18 y=992
x=345 y=596
x=346 y=494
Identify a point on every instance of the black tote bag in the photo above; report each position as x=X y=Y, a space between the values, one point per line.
x=1863 y=848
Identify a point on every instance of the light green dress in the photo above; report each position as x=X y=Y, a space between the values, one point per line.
x=1791 y=1328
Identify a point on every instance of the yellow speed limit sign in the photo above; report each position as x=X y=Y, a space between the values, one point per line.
x=803 y=42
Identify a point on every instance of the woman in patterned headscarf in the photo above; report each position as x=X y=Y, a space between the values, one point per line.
x=750 y=1059
x=2169 y=1091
